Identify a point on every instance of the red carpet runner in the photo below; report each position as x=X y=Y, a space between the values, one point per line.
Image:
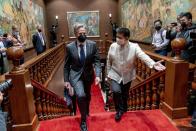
x=100 y=120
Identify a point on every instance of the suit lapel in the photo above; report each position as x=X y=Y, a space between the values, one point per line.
x=75 y=50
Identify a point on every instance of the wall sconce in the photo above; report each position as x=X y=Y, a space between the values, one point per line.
x=110 y=15
x=57 y=17
x=114 y=27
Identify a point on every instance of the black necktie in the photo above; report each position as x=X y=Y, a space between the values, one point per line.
x=82 y=54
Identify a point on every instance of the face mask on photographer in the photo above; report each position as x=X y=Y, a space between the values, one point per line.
x=82 y=38
x=183 y=24
x=158 y=27
x=39 y=30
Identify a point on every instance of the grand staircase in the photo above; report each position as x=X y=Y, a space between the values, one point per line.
x=101 y=120
x=156 y=98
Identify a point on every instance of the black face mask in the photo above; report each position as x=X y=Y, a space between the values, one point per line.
x=39 y=30
x=82 y=38
x=157 y=27
x=183 y=24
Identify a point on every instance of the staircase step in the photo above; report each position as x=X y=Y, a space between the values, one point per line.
x=148 y=120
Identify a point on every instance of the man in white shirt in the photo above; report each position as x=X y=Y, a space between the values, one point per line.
x=159 y=41
x=121 y=68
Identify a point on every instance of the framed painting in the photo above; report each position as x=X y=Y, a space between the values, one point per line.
x=90 y=19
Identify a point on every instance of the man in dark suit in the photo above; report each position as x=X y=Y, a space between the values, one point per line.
x=38 y=40
x=81 y=55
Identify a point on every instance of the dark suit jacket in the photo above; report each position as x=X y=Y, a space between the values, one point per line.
x=7 y=43
x=37 y=43
x=74 y=70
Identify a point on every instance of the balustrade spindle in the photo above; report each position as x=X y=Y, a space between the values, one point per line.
x=162 y=90
x=47 y=106
x=148 y=72
x=138 y=99
x=142 y=107
x=130 y=100
x=35 y=76
x=139 y=68
x=134 y=99
x=38 y=106
x=43 y=94
x=155 y=94
x=143 y=70
x=148 y=107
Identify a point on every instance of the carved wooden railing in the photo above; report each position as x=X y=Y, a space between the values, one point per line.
x=142 y=70
x=29 y=101
x=48 y=105
x=148 y=94
x=43 y=67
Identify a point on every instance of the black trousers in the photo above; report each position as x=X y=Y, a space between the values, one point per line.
x=44 y=49
x=83 y=95
x=120 y=95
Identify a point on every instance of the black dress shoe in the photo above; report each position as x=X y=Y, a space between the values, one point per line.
x=118 y=116
x=83 y=126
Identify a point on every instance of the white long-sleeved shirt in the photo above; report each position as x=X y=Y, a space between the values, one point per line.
x=121 y=61
x=160 y=42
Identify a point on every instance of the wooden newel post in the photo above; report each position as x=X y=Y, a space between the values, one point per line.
x=21 y=96
x=176 y=84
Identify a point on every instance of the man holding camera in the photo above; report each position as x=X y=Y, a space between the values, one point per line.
x=2 y=118
x=183 y=30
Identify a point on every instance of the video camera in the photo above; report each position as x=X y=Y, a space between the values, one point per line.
x=5 y=85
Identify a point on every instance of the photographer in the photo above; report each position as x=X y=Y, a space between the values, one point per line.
x=187 y=28
x=173 y=31
x=183 y=30
x=2 y=118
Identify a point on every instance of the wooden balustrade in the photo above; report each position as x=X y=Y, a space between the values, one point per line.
x=34 y=103
x=48 y=105
x=142 y=70
x=43 y=67
x=147 y=94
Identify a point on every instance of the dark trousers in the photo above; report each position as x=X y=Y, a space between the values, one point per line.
x=44 y=49
x=161 y=52
x=120 y=95
x=82 y=90
x=2 y=121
